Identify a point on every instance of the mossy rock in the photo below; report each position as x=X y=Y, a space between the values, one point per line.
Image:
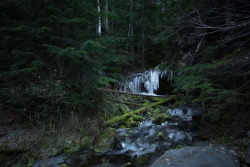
x=160 y=135
x=179 y=146
x=160 y=118
x=64 y=165
x=131 y=123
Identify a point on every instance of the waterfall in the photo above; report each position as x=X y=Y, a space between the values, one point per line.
x=147 y=82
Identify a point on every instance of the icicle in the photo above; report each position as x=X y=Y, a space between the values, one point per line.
x=147 y=82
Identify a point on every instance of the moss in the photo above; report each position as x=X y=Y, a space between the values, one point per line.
x=124 y=109
x=138 y=118
x=159 y=118
x=127 y=164
x=19 y=164
x=31 y=163
x=125 y=135
x=124 y=98
x=64 y=165
x=131 y=123
x=143 y=160
x=179 y=146
x=160 y=135
x=156 y=99
x=146 y=102
x=140 y=110
x=122 y=126
x=71 y=149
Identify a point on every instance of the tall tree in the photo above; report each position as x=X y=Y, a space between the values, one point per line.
x=99 y=25
x=131 y=32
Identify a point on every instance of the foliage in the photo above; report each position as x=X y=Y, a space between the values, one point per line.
x=198 y=88
x=51 y=57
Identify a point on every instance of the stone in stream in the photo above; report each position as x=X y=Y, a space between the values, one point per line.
x=205 y=156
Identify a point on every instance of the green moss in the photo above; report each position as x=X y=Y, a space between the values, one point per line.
x=159 y=118
x=31 y=163
x=71 y=149
x=64 y=165
x=131 y=123
x=156 y=99
x=124 y=109
x=160 y=135
x=157 y=110
x=143 y=160
x=19 y=164
x=127 y=164
x=122 y=126
x=138 y=118
x=146 y=102
x=125 y=135
x=140 y=110
x=179 y=146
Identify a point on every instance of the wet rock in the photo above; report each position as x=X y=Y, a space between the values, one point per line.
x=116 y=144
x=247 y=156
x=198 y=156
x=51 y=162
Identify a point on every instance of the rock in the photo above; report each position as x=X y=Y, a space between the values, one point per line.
x=247 y=156
x=205 y=156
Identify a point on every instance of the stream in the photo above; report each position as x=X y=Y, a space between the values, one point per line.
x=142 y=145
x=139 y=145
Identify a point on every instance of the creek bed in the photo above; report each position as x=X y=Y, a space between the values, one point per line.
x=138 y=146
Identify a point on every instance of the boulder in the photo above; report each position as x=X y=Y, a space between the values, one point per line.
x=197 y=156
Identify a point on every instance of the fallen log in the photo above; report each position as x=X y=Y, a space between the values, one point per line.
x=126 y=115
x=135 y=94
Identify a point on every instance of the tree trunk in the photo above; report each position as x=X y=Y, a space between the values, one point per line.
x=131 y=33
x=99 y=26
x=107 y=19
x=143 y=37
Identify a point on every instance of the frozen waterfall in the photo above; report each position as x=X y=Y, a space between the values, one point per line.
x=147 y=82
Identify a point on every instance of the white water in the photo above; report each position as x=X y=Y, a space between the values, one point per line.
x=144 y=138
x=147 y=82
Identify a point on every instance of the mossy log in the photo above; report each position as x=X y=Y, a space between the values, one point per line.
x=124 y=116
x=124 y=109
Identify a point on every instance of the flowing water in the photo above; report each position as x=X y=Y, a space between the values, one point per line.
x=147 y=140
x=143 y=144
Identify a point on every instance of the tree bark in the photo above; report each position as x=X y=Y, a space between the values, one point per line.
x=143 y=37
x=131 y=33
x=107 y=19
x=99 y=25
